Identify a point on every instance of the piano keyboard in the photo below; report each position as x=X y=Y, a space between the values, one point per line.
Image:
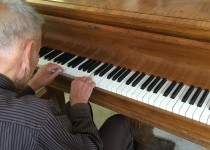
x=188 y=101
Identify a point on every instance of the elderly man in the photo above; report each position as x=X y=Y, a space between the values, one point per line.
x=27 y=122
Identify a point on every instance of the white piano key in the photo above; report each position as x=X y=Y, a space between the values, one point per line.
x=98 y=78
x=116 y=85
x=146 y=98
x=199 y=110
x=141 y=95
x=104 y=82
x=129 y=89
x=68 y=70
x=167 y=99
x=138 y=88
x=124 y=88
x=179 y=96
x=160 y=98
x=81 y=73
x=179 y=103
x=132 y=89
x=208 y=122
x=143 y=92
x=186 y=105
x=192 y=108
x=154 y=96
x=206 y=113
x=43 y=61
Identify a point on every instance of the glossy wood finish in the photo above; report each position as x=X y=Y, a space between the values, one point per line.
x=182 y=59
x=174 y=58
x=182 y=18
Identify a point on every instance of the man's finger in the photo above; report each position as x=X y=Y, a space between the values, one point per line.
x=56 y=73
x=88 y=80
x=51 y=67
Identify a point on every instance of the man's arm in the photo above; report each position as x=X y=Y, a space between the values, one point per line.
x=43 y=77
x=58 y=132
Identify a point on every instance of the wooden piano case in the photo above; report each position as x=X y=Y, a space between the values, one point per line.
x=170 y=47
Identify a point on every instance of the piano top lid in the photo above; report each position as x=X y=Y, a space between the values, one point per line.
x=188 y=18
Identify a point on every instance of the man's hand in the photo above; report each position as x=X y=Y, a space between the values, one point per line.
x=81 y=89
x=44 y=76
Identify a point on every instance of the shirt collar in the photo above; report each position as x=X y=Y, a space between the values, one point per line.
x=6 y=83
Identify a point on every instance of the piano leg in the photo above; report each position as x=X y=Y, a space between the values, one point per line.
x=144 y=138
x=142 y=133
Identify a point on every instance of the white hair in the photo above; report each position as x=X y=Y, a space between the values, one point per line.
x=18 y=21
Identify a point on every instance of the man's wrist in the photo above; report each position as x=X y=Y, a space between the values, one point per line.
x=33 y=86
x=73 y=102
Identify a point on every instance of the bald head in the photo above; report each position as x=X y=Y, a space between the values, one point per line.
x=18 y=21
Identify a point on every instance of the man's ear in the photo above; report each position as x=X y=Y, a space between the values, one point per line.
x=26 y=54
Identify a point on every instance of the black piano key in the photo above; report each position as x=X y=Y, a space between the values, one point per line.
x=52 y=54
x=203 y=98
x=187 y=95
x=118 y=74
x=67 y=58
x=195 y=96
x=170 y=88
x=159 y=86
x=89 y=65
x=78 y=62
x=44 y=50
x=123 y=75
x=94 y=66
x=100 y=69
x=113 y=72
x=179 y=87
x=59 y=58
x=138 y=79
x=147 y=82
x=78 y=58
x=102 y=73
x=152 y=85
x=132 y=77
x=85 y=64
x=47 y=55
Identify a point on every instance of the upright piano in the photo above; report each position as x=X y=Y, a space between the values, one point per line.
x=150 y=59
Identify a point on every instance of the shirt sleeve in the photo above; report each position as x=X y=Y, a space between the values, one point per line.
x=79 y=133
x=26 y=91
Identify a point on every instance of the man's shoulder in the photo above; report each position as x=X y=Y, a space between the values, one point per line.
x=34 y=102
x=27 y=110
